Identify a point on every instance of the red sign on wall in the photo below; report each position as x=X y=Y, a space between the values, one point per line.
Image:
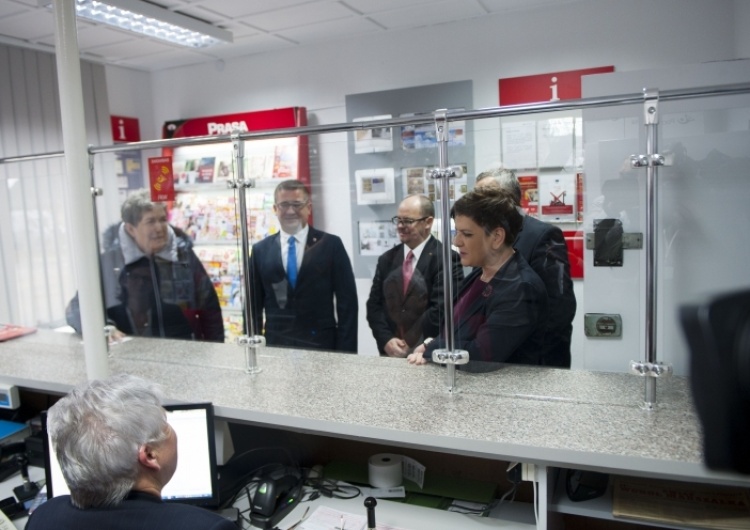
x=161 y=178
x=225 y=124
x=553 y=86
x=125 y=129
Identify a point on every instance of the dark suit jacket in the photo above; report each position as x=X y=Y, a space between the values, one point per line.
x=417 y=314
x=506 y=322
x=139 y=511
x=305 y=317
x=543 y=246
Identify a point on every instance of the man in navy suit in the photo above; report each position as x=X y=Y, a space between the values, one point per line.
x=116 y=451
x=403 y=313
x=302 y=280
x=543 y=246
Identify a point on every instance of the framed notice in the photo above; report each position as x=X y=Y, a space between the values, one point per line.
x=519 y=144
x=375 y=186
x=555 y=142
x=375 y=140
x=414 y=179
x=375 y=237
x=529 y=194
x=557 y=197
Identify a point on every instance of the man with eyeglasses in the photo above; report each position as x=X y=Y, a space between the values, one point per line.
x=302 y=281
x=405 y=306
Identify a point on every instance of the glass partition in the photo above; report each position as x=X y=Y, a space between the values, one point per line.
x=573 y=171
x=35 y=256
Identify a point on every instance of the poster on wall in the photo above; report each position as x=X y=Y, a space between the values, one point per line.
x=376 y=140
x=161 y=179
x=375 y=237
x=424 y=136
x=375 y=186
x=414 y=179
x=557 y=197
x=529 y=194
x=519 y=144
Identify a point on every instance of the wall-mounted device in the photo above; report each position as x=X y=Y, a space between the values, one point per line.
x=9 y=396
x=606 y=325
x=277 y=494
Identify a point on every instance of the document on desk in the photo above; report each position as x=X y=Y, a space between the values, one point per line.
x=5 y=523
x=325 y=518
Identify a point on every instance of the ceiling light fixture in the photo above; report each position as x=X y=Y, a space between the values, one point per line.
x=151 y=20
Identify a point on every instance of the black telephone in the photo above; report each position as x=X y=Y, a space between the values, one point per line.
x=277 y=494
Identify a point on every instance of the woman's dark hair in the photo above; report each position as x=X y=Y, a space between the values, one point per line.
x=491 y=208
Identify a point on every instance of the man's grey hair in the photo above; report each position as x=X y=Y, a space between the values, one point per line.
x=506 y=179
x=97 y=431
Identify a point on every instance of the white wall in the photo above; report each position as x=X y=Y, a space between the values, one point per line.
x=629 y=34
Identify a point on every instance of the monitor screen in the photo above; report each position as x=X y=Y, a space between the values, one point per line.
x=194 y=481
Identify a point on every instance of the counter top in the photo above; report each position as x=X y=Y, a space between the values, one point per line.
x=562 y=418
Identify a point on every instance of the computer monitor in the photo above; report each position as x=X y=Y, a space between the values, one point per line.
x=194 y=481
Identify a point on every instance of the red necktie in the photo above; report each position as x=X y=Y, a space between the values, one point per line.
x=407 y=269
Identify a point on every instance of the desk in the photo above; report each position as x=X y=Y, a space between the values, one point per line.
x=551 y=418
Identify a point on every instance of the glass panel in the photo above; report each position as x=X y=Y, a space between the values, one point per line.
x=35 y=260
x=600 y=198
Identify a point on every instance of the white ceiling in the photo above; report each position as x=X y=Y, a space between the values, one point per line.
x=258 y=26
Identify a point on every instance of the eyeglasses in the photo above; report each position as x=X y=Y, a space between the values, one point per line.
x=296 y=205
x=406 y=221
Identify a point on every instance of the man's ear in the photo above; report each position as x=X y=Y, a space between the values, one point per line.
x=148 y=457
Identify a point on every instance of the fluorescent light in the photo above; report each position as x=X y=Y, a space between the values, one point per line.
x=151 y=20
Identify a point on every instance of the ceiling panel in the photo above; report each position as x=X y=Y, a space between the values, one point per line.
x=428 y=14
x=258 y=26
x=325 y=31
x=300 y=16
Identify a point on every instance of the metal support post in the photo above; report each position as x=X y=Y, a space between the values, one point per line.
x=449 y=356
x=250 y=341
x=650 y=368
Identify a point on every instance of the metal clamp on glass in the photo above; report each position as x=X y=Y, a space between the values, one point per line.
x=450 y=357
x=646 y=369
x=251 y=345
x=654 y=160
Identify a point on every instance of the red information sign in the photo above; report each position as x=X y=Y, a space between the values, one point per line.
x=553 y=86
x=161 y=178
x=125 y=129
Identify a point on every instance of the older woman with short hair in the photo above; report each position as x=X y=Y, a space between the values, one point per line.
x=501 y=306
x=178 y=275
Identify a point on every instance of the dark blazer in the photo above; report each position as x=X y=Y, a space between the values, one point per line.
x=417 y=314
x=139 y=511
x=305 y=317
x=506 y=321
x=543 y=246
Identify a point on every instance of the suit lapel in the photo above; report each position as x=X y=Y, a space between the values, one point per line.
x=313 y=238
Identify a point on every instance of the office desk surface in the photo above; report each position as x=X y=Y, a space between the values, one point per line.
x=561 y=418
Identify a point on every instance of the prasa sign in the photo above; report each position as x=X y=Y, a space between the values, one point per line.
x=226 y=124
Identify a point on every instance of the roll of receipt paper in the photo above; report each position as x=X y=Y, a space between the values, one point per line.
x=386 y=470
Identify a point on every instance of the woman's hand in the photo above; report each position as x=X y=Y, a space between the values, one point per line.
x=417 y=357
